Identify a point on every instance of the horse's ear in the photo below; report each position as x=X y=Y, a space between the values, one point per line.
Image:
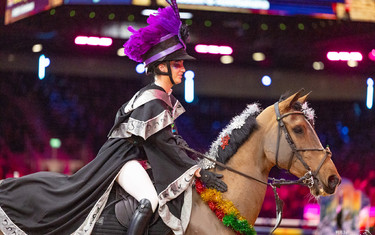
x=304 y=98
x=288 y=103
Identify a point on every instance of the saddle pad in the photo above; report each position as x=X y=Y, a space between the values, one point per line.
x=125 y=208
x=107 y=222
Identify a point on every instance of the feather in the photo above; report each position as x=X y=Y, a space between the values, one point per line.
x=165 y=21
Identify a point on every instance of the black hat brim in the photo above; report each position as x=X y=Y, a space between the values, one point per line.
x=180 y=54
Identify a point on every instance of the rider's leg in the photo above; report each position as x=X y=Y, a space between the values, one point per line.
x=134 y=179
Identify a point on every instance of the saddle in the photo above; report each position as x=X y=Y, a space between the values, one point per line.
x=126 y=206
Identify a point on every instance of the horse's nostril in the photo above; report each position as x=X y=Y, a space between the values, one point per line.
x=333 y=181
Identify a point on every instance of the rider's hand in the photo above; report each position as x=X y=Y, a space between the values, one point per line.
x=213 y=180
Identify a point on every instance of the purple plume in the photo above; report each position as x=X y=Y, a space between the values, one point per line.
x=162 y=23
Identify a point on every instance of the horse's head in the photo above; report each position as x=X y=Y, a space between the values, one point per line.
x=292 y=143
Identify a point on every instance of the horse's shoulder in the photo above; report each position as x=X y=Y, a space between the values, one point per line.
x=203 y=221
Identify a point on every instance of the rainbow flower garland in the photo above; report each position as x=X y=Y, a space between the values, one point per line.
x=224 y=209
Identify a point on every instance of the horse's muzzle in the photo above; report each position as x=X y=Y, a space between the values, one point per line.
x=333 y=182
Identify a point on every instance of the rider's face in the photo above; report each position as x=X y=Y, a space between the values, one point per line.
x=177 y=70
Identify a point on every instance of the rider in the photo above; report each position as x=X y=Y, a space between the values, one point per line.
x=144 y=130
x=147 y=121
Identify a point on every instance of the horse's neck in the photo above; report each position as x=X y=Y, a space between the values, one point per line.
x=248 y=194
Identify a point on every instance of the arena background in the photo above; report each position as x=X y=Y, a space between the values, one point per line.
x=59 y=122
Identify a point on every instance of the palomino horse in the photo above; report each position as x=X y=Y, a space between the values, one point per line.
x=258 y=154
x=281 y=135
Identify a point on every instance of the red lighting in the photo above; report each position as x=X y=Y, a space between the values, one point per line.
x=311 y=212
x=213 y=49
x=371 y=55
x=93 y=41
x=344 y=56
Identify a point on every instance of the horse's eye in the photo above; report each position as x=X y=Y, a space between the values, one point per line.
x=298 y=130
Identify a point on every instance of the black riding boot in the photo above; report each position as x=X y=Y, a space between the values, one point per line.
x=141 y=218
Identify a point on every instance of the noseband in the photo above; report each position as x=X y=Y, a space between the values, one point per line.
x=309 y=176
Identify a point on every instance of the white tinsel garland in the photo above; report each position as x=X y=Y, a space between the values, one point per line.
x=236 y=123
x=308 y=112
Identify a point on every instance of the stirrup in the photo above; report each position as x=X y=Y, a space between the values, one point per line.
x=140 y=218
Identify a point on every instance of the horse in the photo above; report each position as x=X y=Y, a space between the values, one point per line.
x=281 y=135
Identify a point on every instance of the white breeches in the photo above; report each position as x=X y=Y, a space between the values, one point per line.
x=134 y=179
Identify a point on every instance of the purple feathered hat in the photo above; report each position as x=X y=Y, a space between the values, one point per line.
x=162 y=40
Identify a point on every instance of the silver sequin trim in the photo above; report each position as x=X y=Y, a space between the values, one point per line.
x=183 y=184
x=7 y=226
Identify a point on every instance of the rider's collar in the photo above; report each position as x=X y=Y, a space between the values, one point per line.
x=168 y=92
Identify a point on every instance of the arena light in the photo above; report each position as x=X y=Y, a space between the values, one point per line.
x=372 y=212
x=344 y=56
x=37 y=48
x=183 y=15
x=121 y=52
x=318 y=65
x=226 y=59
x=371 y=55
x=253 y=4
x=16 y=174
x=213 y=49
x=370 y=93
x=311 y=212
x=259 y=56
x=55 y=143
x=147 y=12
x=352 y=63
x=43 y=63
x=189 y=86
x=93 y=41
x=140 y=68
x=266 y=80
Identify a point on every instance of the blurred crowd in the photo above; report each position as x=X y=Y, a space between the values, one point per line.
x=80 y=111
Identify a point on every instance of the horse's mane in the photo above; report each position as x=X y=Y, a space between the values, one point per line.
x=233 y=136
x=240 y=128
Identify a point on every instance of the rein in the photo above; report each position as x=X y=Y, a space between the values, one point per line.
x=306 y=180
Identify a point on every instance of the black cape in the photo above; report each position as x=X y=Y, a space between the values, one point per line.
x=54 y=203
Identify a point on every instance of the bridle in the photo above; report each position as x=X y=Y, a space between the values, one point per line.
x=307 y=180
x=309 y=176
